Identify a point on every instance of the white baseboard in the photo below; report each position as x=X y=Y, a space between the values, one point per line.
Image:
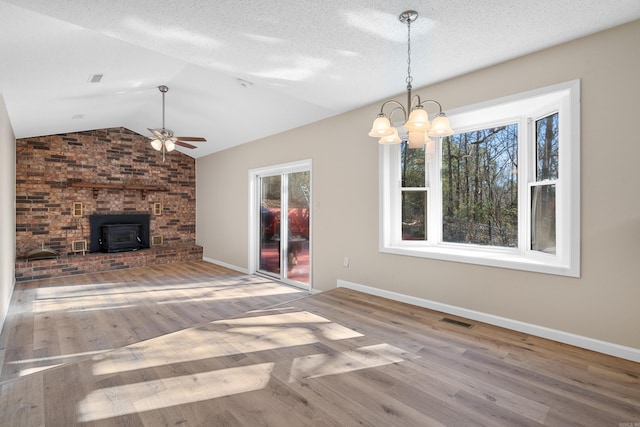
x=612 y=349
x=224 y=264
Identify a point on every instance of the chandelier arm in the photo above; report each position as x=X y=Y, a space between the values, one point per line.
x=435 y=102
x=415 y=101
x=398 y=106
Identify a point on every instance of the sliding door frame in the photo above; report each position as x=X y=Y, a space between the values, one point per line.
x=254 y=217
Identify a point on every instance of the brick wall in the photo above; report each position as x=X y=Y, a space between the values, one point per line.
x=47 y=168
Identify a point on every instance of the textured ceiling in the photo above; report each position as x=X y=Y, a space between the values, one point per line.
x=241 y=70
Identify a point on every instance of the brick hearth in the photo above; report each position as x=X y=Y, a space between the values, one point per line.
x=108 y=171
x=94 y=262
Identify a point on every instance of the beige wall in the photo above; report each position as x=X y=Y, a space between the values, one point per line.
x=604 y=304
x=7 y=205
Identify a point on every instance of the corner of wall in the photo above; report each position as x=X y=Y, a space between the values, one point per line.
x=7 y=206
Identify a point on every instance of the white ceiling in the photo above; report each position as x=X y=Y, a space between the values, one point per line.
x=301 y=60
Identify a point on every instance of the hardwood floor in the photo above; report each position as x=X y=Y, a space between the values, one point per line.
x=194 y=344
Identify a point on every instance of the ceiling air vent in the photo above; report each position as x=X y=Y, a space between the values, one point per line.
x=95 y=78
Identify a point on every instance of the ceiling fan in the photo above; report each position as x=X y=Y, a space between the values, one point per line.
x=164 y=140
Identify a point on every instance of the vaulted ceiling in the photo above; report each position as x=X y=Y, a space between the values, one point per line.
x=241 y=70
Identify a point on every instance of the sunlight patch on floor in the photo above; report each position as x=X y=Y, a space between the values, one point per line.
x=166 y=392
x=275 y=319
x=69 y=300
x=48 y=362
x=224 y=338
x=29 y=371
x=320 y=365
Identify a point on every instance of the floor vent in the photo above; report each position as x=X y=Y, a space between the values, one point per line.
x=456 y=322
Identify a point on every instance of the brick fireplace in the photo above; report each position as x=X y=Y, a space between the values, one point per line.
x=64 y=180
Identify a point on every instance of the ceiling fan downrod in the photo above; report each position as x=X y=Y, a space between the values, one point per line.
x=164 y=89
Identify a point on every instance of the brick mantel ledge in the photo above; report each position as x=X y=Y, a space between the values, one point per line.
x=95 y=262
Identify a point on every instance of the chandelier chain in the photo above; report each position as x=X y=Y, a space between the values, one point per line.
x=409 y=78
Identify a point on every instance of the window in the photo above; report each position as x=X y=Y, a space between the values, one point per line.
x=503 y=191
x=414 y=194
x=480 y=187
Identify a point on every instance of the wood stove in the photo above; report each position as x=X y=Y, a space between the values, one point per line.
x=120 y=237
x=119 y=232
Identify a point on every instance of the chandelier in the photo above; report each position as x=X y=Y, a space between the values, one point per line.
x=417 y=127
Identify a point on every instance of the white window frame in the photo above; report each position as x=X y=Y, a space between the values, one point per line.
x=524 y=109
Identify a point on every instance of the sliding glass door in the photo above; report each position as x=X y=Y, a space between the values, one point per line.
x=284 y=225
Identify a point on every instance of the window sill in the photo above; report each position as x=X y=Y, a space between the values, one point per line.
x=490 y=257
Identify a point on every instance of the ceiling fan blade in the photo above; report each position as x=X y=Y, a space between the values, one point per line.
x=192 y=138
x=185 y=145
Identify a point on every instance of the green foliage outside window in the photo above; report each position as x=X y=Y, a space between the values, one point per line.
x=480 y=187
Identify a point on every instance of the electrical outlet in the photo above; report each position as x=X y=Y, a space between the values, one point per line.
x=346 y=262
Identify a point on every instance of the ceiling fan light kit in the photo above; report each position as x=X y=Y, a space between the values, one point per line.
x=416 y=129
x=163 y=139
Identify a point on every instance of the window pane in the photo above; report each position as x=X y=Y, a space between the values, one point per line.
x=270 y=203
x=414 y=215
x=298 y=244
x=412 y=166
x=547 y=148
x=543 y=218
x=480 y=187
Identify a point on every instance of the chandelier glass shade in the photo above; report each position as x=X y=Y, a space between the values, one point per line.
x=417 y=128
x=392 y=138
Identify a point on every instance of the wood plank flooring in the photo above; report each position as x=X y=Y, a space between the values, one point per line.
x=194 y=344
x=61 y=320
